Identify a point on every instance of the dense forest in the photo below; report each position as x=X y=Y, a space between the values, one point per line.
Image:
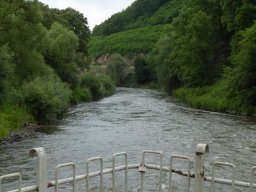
x=200 y=51
x=205 y=56
x=44 y=63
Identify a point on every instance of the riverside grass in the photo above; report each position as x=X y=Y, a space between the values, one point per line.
x=12 y=118
x=214 y=98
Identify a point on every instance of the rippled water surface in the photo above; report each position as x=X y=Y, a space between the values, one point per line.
x=134 y=120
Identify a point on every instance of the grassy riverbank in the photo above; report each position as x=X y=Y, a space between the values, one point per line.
x=214 y=98
x=12 y=118
x=42 y=104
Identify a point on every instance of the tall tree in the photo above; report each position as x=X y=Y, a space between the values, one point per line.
x=76 y=22
x=192 y=51
x=242 y=78
x=22 y=30
x=60 y=53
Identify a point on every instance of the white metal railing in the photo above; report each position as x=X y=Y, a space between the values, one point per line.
x=42 y=183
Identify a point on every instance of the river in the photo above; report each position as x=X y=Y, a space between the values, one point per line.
x=134 y=120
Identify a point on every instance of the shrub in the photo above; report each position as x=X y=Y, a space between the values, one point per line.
x=108 y=84
x=118 y=69
x=46 y=97
x=99 y=86
x=142 y=71
x=81 y=94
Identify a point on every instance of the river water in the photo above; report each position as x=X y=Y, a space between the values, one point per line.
x=134 y=120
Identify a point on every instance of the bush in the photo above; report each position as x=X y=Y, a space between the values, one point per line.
x=118 y=69
x=108 y=85
x=142 y=71
x=46 y=97
x=81 y=94
x=99 y=86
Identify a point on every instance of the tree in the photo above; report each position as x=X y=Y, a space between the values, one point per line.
x=229 y=10
x=193 y=47
x=21 y=29
x=242 y=78
x=6 y=72
x=76 y=22
x=165 y=70
x=142 y=70
x=60 y=53
x=117 y=69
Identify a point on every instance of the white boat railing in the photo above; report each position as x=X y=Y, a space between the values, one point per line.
x=199 y=177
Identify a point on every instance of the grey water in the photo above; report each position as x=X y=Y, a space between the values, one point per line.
x=134 y=120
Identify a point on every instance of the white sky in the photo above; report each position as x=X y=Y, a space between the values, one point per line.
x=96 y=11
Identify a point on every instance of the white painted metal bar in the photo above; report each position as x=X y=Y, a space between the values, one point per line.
x=142 y=168
x=253 y=169
x=199 y=166
x=114 y=170
x=58 y=167
x=41 y=168
x=26 y=189
x=223 y=164
x=229 y=182
x=188 y=171
x=88 y=175
x=11 y=176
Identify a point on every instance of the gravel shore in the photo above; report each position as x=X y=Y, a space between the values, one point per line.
x=29 y=130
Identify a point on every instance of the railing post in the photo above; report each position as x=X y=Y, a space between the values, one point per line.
x=199 y=166
x=41 y=168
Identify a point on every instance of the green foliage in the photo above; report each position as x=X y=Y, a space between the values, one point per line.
x=60 y=53
x=135 y=16
x=142 y=71
x=6 y=72
x=81 y=94
x=12 y=117
x=21 y=30
x=46 y=97
x=164 y=70
x=139 y=40
x=40 y=49
x=70 y=19
x=229 y=10
x=246 y=14
x=242 y=78
x=118 y=69
x=163 y=15
x=99 y=86
x=4 y=126
x=192 y=50
x=214 y=97
x=76 y=22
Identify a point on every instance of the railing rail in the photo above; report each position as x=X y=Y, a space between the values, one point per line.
x=42 y=183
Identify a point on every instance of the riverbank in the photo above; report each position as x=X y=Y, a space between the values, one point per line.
x=214 y=99
x=29 y=130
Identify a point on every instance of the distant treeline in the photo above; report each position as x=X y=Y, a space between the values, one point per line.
x=43 y=63
x=206 y=58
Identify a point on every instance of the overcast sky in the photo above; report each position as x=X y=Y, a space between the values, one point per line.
x=96 y=11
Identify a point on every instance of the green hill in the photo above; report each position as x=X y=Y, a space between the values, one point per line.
x=136 y=29
x=140 y=40
x=125 y=20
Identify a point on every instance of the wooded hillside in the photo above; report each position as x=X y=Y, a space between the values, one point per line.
x=205 y=57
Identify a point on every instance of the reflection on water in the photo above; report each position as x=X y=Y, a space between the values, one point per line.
x=134 y=120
